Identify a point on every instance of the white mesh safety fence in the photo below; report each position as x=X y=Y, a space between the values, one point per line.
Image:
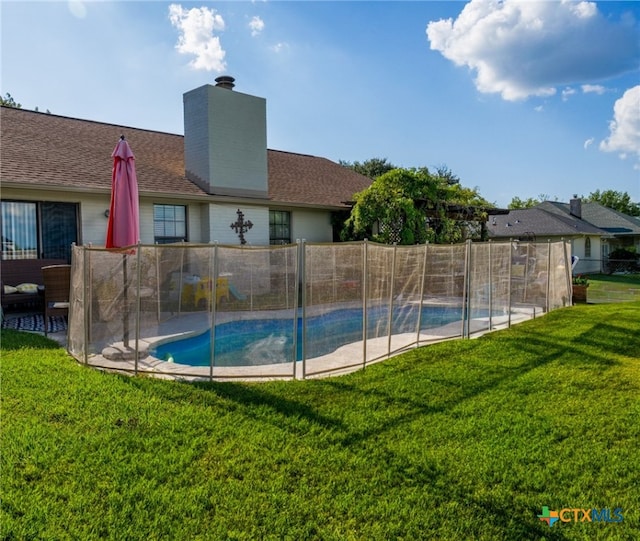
x=299 y=310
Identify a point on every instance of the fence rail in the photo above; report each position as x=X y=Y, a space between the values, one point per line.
x=300 y=310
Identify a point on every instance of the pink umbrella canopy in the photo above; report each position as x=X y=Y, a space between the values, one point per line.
x=123 y=227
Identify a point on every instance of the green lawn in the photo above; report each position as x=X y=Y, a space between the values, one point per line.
x=613 y=288
x=459 y=440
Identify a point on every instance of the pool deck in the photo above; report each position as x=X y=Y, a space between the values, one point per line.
x=348 y=358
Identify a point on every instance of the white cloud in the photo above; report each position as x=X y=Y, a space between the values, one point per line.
x=77 y=8
x=593 y=89
x=279 y=47
x=568 y=92
x=524 y=48
x=196 y=27
x=588 y=143
x=624 y=129
x=256 y=24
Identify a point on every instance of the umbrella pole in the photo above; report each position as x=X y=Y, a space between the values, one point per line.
x=125 y=295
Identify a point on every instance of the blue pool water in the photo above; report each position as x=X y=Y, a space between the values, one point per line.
x=268 y=341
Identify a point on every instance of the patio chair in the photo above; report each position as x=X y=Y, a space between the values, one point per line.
x=57 y=283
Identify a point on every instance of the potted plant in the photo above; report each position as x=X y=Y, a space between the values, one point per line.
x=580 y=285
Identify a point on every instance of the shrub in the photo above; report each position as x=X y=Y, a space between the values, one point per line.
x=580 y=280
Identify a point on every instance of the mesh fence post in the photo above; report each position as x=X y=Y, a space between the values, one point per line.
x=525 y=292
x=391 y=288
x=465 y=290
x=88 y=301
x=213 y=268
x=510 y=283
x=295 y=304
x=490 y=288
x=72 y=295
x=365 y=256
x=303 y=273
x=422 y=280
x=180 y=283
x=156 y=253
x=286 y=286
x=546 y=302
x=250 y=281
x=567 y=272
x=137 y=327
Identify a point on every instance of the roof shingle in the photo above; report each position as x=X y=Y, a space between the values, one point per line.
x=46 y=150
x=539 y=222
x=600 y=216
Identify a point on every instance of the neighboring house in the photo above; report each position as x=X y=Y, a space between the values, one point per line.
x=541 y=224
x=56 y=179
x=622 y=230
x=594 y=230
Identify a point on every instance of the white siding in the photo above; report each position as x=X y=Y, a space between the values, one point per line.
x=586 y=264
x=93 y=227
x=222 y=216
x=311 y=225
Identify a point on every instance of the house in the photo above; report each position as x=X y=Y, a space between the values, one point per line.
x=56 y=179
x=594 y=230
x=621 y=230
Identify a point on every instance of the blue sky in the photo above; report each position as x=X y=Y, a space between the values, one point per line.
x=516 y=98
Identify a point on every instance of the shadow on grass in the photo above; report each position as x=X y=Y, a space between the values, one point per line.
x=252 y=395
x=402 y=404
x=14 y=340
x=608 y=337
x=247 y=399
x=401 y=390
x=460 y=391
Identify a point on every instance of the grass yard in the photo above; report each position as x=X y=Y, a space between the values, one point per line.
x=613 y=288
x=458 y=440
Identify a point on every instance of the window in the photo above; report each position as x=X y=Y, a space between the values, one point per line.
x=279 y=227
x=587 y=247
x=38 y=229
x=169 y=223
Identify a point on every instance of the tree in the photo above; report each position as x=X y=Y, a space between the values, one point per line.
x=8 y=101
x=372 y=168
x=409 y=206
x=517 y=203
x=620 y=201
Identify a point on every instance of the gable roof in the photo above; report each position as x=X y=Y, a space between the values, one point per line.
x=607 y=219
x=41 y=150
x=538 y=221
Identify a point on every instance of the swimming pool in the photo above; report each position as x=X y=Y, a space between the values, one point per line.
x=269 y=341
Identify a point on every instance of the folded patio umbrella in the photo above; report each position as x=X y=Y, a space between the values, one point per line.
x=123 y=226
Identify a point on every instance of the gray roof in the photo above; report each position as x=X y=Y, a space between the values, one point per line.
x=609 y=220
x=537 y=222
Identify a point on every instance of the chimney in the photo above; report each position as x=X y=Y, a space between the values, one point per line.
x=575 y=207
x=225 y=81
x=225 y=140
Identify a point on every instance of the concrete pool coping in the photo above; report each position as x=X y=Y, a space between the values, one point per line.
x=345 y=359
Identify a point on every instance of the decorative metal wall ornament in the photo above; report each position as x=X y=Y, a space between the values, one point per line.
x=241 y=226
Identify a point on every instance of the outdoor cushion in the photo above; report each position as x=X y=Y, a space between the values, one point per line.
x=27 y=288
x=8 y=290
